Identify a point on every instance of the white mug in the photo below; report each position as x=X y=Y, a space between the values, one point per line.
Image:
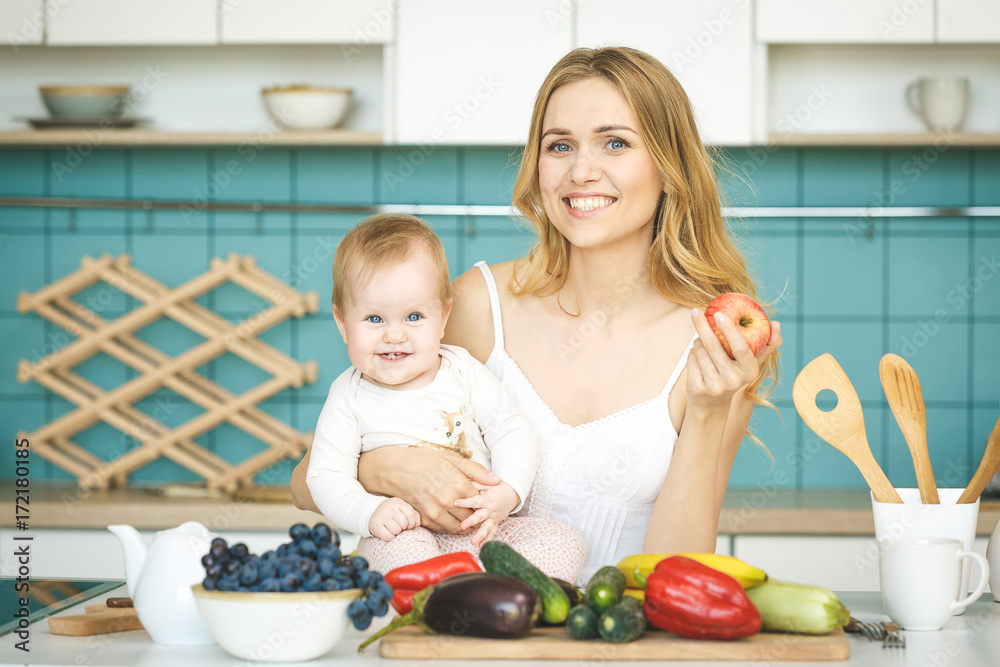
x=939 y=102
x=914 y=519
x=919 y=578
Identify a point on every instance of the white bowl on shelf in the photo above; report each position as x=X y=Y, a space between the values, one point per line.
x=275 y=627
x=84 y=101
x=302 y=107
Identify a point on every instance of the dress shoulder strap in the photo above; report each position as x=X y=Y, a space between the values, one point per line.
x=491 y=286
x=679 y=367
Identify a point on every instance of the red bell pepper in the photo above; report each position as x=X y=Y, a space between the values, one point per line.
x=411 y=579
x=690 y=599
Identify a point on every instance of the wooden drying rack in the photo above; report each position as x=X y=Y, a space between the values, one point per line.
x=156 y=369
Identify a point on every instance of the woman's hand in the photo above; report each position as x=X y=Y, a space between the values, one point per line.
x=712 y=377
x=429 y=480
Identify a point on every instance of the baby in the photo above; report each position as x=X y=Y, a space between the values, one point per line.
x=391 y=300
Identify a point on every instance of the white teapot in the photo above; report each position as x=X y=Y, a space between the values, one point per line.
x=159 y=579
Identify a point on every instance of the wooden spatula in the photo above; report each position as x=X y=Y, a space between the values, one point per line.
x=902 y=390
x=987 y=468
x=844 y=426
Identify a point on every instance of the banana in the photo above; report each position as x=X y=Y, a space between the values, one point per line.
x=748 y=575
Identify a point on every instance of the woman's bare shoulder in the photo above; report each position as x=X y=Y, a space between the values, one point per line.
x=470 y=324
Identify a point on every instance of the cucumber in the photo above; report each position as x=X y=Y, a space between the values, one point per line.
x=605 y=589
x=499 y=558
x=581 y=623
x=575 y=596
x=631 y=603
x=623 y=622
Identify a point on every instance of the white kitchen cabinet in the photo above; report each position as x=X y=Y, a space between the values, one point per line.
x=357 y=22
x=467 y=72
x=97 y=554
x=22 y=22
x=968 y=21
x=708 y=46
x=845 y=21
x=840 y=563
x=133 y=22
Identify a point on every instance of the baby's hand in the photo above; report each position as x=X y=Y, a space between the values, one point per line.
x=392 y=517
x=492 y=505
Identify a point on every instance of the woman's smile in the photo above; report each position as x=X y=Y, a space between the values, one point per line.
x=585 y=205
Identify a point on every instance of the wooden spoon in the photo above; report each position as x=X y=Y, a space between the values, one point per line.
x=844 y=426
x=987 y=468
x=902 y=389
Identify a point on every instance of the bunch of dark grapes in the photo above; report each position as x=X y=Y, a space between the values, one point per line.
x=310 y=562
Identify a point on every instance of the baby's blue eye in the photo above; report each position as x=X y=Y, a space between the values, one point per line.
x=414 y=317
x=374 y=319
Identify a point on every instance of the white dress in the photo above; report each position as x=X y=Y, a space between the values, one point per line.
x=601 y=477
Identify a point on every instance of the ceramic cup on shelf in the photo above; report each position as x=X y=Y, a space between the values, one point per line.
x=939 y=102
x=914 y=519
x=919 y=578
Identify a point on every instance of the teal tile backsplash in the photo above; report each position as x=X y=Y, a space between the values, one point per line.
x=926 y=289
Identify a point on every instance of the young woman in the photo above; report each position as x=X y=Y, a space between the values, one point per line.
x=598 y=333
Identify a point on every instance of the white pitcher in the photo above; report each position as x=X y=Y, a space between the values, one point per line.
x=159 y=579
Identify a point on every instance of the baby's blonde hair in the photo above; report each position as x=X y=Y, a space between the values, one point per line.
x=381 y=241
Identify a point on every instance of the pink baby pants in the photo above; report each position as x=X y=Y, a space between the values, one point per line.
x=554 y=547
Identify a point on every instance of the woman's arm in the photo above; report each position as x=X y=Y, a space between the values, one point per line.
x=686 y=514
x=428 y=480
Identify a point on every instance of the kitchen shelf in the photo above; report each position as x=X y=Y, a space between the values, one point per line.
x=149 y=137
x=782 y=512
x=918 y=139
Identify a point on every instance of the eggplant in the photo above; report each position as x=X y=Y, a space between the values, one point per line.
x=476 y=604
x=482 y=605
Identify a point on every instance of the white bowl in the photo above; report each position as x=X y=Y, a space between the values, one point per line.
x=306 y=107
x=84 y=101
x=275 y=627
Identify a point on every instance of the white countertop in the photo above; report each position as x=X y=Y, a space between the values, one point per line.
x=970 y=640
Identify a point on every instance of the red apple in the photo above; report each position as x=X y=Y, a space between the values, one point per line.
x=746 y=314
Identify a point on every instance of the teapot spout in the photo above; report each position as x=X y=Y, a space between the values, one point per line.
x=134 y=548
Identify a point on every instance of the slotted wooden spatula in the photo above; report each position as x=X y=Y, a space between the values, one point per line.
x=902 y=390
x=987 y=468
x=844 y=426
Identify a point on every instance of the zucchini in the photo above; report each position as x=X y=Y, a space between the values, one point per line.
x=499 y=558
x=581 y=623
x=623 y=622
x=605 y=589
x=788 y=607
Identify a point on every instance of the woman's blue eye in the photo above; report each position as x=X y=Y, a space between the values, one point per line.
x=414 y=317
x=374 y=319
x=617 y=144
x=557 y=147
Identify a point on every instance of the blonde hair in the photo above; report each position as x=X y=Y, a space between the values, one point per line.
x=692 y=259
x=381 y=241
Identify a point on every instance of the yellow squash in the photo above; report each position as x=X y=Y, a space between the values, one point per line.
x=642 y=564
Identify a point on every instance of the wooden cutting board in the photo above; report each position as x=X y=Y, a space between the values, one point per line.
x=554 y=644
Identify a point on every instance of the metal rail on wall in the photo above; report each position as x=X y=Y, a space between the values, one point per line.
x=864 y=212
